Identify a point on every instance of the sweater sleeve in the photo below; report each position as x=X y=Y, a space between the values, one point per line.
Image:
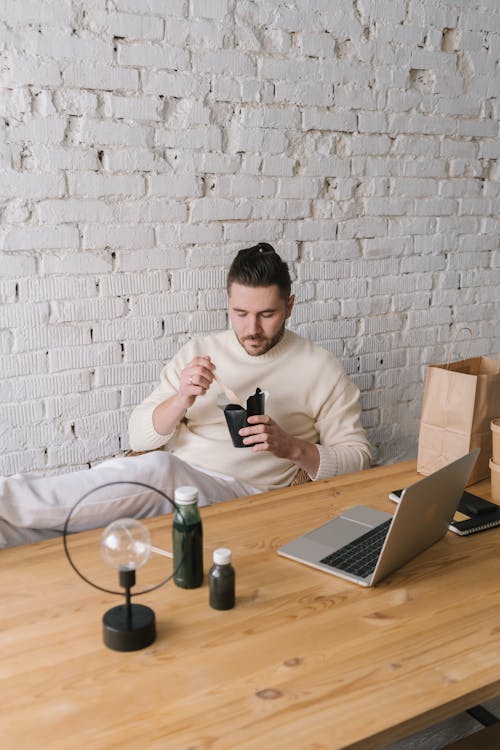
x=343 y=446
x=142 y=434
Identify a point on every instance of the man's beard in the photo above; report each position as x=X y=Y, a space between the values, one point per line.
x=261 y=343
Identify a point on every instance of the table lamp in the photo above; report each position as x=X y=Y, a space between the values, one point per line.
x=125 y=546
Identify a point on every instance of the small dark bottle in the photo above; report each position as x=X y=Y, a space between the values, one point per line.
x=187 y=539
x=221 y=580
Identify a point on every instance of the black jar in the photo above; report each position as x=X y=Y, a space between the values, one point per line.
x=222 y=580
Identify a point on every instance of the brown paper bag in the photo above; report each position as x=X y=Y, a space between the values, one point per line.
x=460 y=400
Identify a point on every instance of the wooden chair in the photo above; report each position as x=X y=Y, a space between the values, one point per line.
x=485 y=739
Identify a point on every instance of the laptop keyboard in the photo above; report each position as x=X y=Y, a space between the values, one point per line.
x=360 y=556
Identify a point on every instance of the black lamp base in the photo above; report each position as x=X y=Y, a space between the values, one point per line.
x=124 y=630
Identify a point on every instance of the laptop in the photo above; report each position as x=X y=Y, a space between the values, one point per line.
x=364 y=545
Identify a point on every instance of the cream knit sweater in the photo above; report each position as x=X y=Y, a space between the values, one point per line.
x=310 y=396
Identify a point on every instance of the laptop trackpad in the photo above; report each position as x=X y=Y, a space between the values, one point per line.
x=345 y=528
x=336 y=533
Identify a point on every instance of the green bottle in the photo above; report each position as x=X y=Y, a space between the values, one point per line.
x=187 y=539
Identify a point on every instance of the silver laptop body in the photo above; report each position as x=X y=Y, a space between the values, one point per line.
x=421 y=519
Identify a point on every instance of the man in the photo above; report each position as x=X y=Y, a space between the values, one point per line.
x=311 y=425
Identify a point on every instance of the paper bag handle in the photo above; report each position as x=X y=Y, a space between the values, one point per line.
x=453 y=340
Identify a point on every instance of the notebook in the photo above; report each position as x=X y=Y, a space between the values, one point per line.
x=473 y=514
x=364 y=545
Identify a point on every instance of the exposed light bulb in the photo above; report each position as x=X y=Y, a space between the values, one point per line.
x=126 y=544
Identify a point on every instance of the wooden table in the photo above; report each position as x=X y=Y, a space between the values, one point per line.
x=305 y=660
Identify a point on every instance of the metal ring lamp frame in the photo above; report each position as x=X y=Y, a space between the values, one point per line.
x=87 y=580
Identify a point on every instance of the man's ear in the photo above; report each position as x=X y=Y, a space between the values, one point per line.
x=289 y=305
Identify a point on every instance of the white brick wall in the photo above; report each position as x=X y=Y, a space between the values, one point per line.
x=143 y=142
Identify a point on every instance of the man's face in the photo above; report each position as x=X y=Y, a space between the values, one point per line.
x=258 y=316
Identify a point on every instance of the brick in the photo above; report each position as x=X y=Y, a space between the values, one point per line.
x=118 y=236
x=191 y=234
x=339 y=249
x=77 y=358
x=317 y=44
x=342 y=289
x=32 y=186
x=115 y=284
x=8 y=291
x=214 y=9
x=158 y=258
x=183 y=186
x=278 y=166
x=422 y=124
x=154 y=7
x=34 y=11
x=435 y=316
x=97 y=185
x=70 y=210
x=75 y=102
x=328 y=330
x=61 y=46
x=310 y=230
x=17 y=266
x=330 y=166
x=77 y=405
x=248 y=186
x=134 y=107
x=81 y=262
x=129 y=25
x=198 y=279
x=201 y=137
x=299 y=189
x=179 y=84
x=244 y=231
x=81 y=451
x=125 y=329
x=220 y=61
x=125 y=160
x=46 y=130
x=30 y=339
x=153 y=55
x=22 y=70
x=23 y=461
x=305 y=94
x=41 y=238
x=26 y=388
x=22 y=363
x=353 y=95
x=25 y=315
x=135 y=394
x=163 y=304
x=87 y=309
x=113 y=422
x=151 y=210
x=55 y=287
x=100 y=76
x=47 y=158
x=127 y=374
x=212 y=209
x=105 y=133
x=480 y=278
x=427 y=145
x=317 y=311
x=362 y=227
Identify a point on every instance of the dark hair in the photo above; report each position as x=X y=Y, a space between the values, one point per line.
x=260 y=265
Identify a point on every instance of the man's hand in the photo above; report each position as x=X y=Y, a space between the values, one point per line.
x=267 y=435
x=195 y=380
